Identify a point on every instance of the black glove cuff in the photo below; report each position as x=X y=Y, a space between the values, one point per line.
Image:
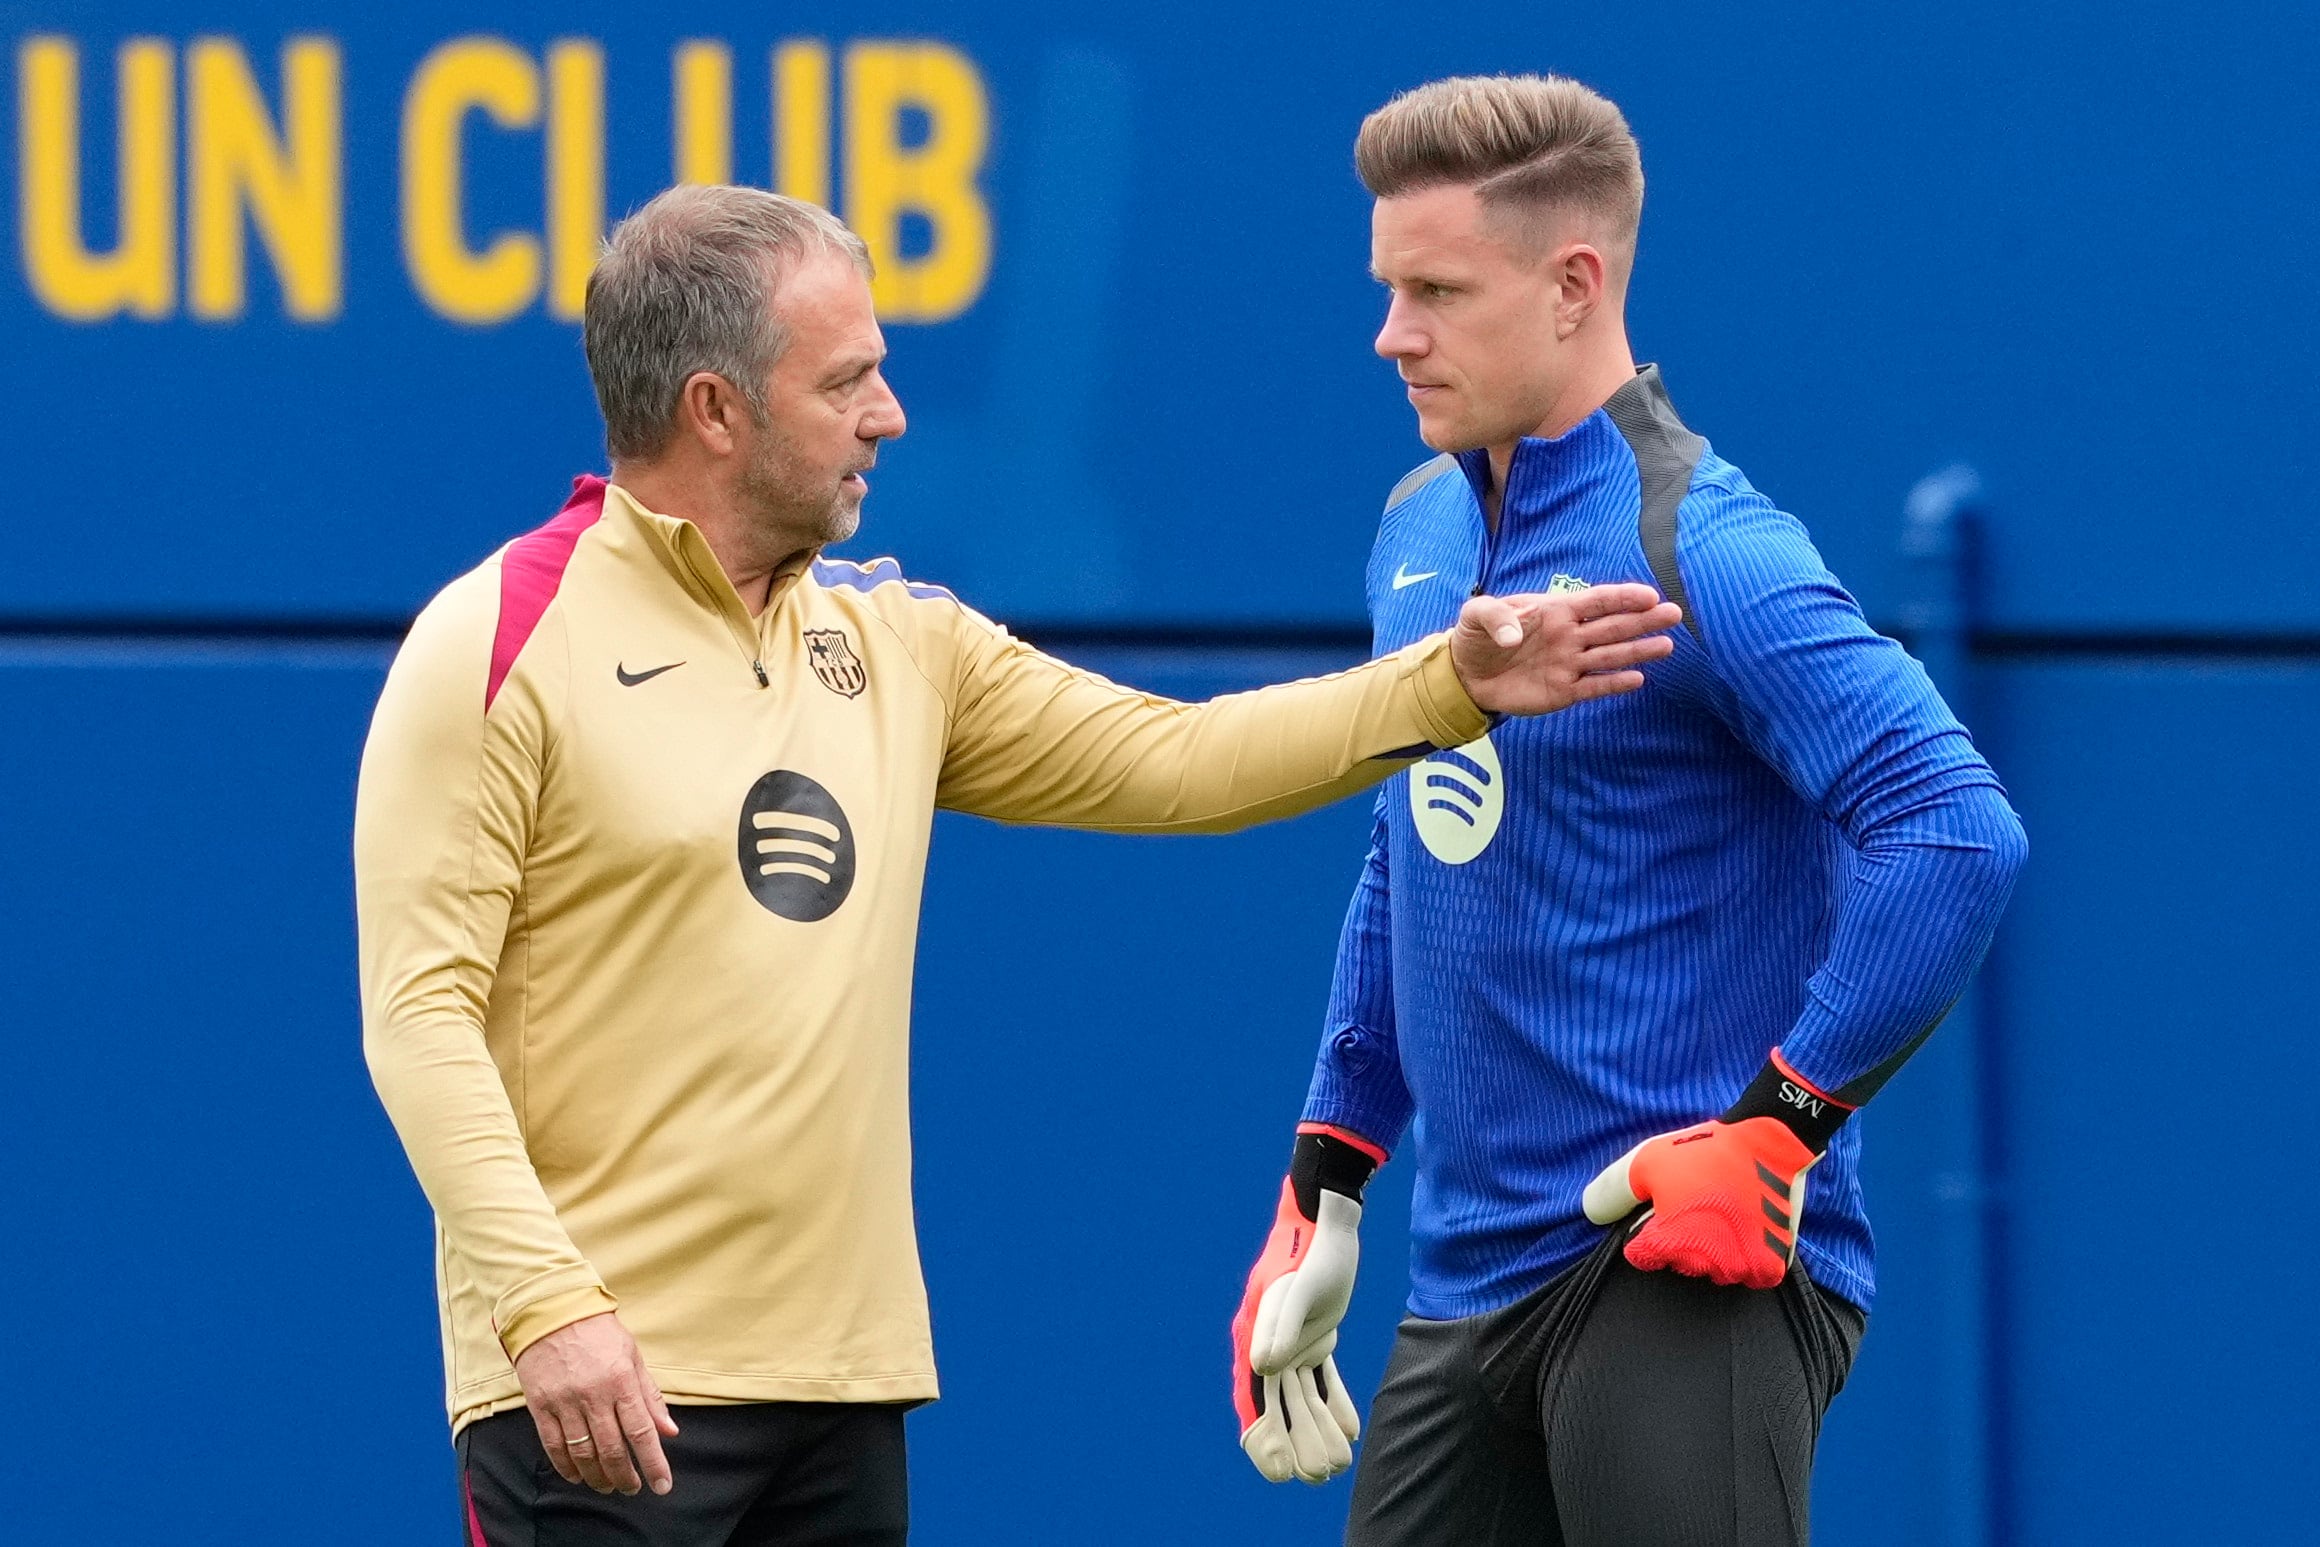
x=1776 y=1092
x=1324 y=1161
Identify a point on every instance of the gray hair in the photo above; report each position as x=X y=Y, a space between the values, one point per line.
x=683 y=287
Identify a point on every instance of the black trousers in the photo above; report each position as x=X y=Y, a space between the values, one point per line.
x=758 y=1474
x=1613 y=1408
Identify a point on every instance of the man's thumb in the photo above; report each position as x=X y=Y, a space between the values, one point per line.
x=1280 y=1325
x=1611 y=1197
x=1494 y=619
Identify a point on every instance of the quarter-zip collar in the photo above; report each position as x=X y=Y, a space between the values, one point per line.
x=686 y=555
x=1542 y=466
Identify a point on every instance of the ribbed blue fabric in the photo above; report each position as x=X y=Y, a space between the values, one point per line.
x=1784 y=839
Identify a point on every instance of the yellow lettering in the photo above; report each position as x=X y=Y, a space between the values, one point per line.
x=887 y=179
x=575 y=172
x=704 y=98
x=235 y=162
x=139 y=275
x=502 y=82
x=801 y=107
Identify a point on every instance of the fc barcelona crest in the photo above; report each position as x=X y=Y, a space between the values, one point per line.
x=835 y=662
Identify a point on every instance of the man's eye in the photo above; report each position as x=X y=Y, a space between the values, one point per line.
x=1432 y=291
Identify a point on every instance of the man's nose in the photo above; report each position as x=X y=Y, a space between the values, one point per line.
x=885 y=420
x=1397 y=339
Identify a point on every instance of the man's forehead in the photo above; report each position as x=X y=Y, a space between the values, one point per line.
x=1429 y=224
x=824 y=292
x=1442 y=210
x=1452 y=229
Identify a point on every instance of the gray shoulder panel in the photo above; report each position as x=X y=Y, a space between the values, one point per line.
x=1665 y=455
x=1420 y=476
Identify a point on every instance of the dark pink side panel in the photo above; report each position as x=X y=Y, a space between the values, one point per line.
x=530 y=574
x=474 y=1521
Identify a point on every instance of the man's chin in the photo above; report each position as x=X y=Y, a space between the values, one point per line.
x=843 y=521
x=1441 y=436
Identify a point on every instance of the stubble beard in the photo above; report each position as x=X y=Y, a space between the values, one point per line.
x=780 y=498
x=842 y=518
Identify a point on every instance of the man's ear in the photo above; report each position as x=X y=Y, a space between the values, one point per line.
x=1580 y=275
x=707 y=407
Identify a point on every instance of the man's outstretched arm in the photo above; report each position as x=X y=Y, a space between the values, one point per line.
x=1034 y=740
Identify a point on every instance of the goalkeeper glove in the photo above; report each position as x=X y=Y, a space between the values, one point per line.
x=1727 y=1195
x=1296 y=1420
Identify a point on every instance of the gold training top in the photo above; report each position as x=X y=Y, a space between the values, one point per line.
x=638 y=880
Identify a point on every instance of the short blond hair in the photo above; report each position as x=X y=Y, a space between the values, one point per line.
x=1531 y=146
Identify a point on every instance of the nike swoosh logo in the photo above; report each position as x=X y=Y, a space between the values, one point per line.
x=628 y=681
x=1403 y=577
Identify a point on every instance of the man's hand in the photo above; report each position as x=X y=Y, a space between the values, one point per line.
x=1298 y=1312
x=1727 y=1195
x=1296 y=1420
x=600 y=1413
x=1726 y=1199
x=1538 y=653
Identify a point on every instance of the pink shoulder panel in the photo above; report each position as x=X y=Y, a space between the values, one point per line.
x=530 y=573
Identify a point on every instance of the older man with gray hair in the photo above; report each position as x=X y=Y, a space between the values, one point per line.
x=639 y=847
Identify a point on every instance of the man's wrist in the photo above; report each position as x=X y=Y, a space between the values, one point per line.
x=1330 y=1159
x=1445 y=702
x=1780 y=1093
x=553 y=1313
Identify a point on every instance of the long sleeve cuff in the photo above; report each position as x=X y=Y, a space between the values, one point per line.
x=1451 y=716
x=549 y=1313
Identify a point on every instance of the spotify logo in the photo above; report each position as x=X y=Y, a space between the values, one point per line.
x=1456 y=799
x=797 y=849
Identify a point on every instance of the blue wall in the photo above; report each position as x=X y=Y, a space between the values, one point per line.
x=205 y=1235
x=1112 y=1038
x=206 y=1207
x=2154 y=1067
x=1878 y=239
x=2064 y=241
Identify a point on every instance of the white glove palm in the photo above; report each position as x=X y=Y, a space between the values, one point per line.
x=1307 y=1428
x=1306 y=1424
x=1298 y=1314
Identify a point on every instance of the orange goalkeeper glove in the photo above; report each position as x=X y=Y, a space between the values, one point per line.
x=1296 y=1420
x=1727 y=1195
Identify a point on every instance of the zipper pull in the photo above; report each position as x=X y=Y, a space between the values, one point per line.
x=763 y=680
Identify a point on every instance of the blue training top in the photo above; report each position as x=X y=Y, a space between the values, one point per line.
x=1592 y=926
